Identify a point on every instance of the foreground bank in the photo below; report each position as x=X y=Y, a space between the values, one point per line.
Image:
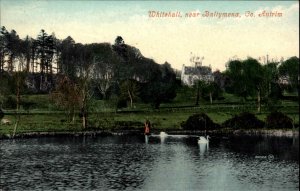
x=221 y=132
x=198 y=122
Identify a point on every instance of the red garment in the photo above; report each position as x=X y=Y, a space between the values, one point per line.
x=147 y=130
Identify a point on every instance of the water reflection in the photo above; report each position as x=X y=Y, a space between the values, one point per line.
x=146 y=139
x=203 y=147
x=284 y=148
x=127 y=163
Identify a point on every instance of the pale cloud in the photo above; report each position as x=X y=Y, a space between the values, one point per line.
x=294 y=8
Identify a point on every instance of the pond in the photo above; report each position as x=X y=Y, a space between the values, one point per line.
x=135 y=163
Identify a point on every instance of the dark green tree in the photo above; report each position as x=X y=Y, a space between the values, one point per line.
x=212 y=90
x=162 y=85
x=3 y=47
x=199 y=87
x=67 y=57
x=45 y=52
x=253 y=74
x=290 y=69
x=10 y=48
x=119 y=41
x=234 y=72
x=105 y=68
x=247 y=78
x=130 y=90
x=5 y=89
x=271 y=91
x=26 y=46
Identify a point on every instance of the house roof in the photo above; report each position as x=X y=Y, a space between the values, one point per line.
x=200 y=70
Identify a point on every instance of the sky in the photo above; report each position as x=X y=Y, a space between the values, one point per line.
x=165 y=39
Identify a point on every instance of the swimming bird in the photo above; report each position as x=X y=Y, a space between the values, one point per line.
x=203 y=139
x=163 y=134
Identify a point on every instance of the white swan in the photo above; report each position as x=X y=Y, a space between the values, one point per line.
x=203 y=139
x=163 y=134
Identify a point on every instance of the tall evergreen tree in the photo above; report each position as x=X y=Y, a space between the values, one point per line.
x=45 y=51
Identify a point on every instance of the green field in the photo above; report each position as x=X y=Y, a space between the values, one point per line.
x=43 y=116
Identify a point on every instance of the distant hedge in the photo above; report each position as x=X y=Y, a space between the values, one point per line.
x=199 y=122
x=278 y=120
x=244 y=120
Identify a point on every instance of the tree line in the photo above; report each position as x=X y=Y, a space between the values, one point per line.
x=74 y=72
x=249 y=78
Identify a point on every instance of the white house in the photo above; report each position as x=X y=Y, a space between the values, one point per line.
x=189 y=75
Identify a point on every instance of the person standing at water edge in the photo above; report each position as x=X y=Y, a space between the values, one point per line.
x=147 y=127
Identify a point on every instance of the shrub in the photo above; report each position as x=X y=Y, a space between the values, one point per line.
x=199 y=122
x=1 y=114
x=122 y=103
x=27 y=105
x=10 y=103
x=278 y=120
x=244 y=120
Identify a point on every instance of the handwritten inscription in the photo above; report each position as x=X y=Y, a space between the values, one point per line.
x=213 y=14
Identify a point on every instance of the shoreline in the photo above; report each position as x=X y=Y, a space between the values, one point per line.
x=228 y=132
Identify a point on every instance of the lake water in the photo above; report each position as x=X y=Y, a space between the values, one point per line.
x=133 y=163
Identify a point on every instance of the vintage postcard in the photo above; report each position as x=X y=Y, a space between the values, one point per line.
x=149 y=95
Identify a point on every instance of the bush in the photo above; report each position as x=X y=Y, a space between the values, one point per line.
x=272 y=104
x=122 y=103
x=278 y=120
x=199 y=122
x=244 y=120
x=10 y=103
x=27 y=105
x=1 y=114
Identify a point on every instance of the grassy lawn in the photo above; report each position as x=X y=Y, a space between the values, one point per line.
x=37 y=123
x=43 y=116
